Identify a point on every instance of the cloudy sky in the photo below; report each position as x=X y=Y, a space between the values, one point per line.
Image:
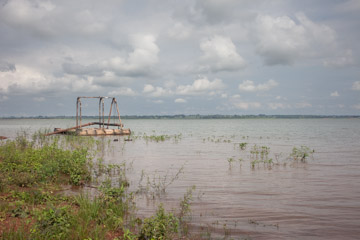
x=180 y=57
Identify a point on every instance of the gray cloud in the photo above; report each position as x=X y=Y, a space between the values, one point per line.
x=7 y=67
x=139 y=62
x=282 y=40
x=141 y=50
x=78 y=69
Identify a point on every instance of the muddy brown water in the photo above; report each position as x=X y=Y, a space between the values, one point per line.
x=319 y=199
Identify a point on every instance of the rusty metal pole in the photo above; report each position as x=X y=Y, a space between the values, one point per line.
x=111 y=106
x=103 y=112
x=80 y=111
x=117 y=108
x=99 y=112
x=77 y=112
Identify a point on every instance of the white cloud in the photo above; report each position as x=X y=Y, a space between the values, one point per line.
x=160 y=92
x=280 y=40
x=124 y=91
x=109 y=79
x=200 y=86
x=334 y=94
x=249 y=86
x=246 y=105
x=356 y=86
x=180 y=100
x=220 y=55
x=24 y=78
x=83 y=85
x=148 y=88
x=32 y=80
x=139 y=62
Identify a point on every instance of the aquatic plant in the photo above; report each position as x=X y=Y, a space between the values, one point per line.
x=159 y=138
x=257 y=151
x=156 y=184
x=301 y=154
x=160 y=226
x=230 y=160
x=185 y=203
x=34 y=199
x=242 y=145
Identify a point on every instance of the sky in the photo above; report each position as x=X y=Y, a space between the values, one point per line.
x=180 y=57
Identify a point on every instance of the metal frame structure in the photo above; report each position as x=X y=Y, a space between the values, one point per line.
x=101 y=122
x=101 y=112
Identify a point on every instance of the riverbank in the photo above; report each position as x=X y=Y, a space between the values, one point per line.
x=34 y=205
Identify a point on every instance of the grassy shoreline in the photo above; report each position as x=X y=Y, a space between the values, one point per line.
x=33 y=206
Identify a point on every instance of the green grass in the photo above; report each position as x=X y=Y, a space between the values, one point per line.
x=33 y=171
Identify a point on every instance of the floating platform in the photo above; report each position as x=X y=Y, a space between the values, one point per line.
x=94 y=131
x=80 y=129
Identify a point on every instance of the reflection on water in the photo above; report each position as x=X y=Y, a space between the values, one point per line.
x=284 y=200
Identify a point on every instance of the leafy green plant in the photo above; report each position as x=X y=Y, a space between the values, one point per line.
x=230 y=161
x=21 y=232
x=160 y=226
x=53 y=223
x=185 y=203
x=185 y=210
x=32 y=164
x=243 y=145
x=128 y=235
x=301 y=154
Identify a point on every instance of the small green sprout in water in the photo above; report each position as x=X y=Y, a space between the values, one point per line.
x=230 y=160
x=242 y=145
x=253 y=163
x=301 y=153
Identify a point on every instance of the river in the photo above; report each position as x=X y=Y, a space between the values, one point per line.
x=239 y=194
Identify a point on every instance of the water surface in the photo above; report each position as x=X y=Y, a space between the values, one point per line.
x=319 y=199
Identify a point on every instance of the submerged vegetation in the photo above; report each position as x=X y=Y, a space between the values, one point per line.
x=259 y=156
x=33 y=174
x=301 y=154
x=157 y=138
x=35 y=171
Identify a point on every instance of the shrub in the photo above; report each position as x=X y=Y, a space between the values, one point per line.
x=301 y=153
x=53 y=223
x=161 y=226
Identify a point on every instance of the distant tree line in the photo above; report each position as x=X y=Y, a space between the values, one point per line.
x=196 y=116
